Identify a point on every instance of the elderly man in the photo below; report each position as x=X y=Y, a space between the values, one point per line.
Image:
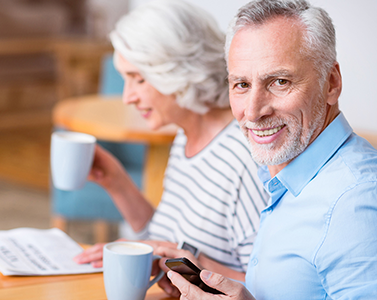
x=318 y=236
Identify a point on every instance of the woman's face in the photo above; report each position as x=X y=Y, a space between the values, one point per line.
x=158 y=109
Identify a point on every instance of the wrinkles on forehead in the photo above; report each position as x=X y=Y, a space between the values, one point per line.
x=281 y=31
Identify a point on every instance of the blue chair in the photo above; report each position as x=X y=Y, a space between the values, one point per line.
x=92 y=202
x=111 y=83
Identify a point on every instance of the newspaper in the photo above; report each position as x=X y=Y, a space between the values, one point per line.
x=29 y=251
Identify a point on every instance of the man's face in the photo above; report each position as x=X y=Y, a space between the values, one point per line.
x=274 y=91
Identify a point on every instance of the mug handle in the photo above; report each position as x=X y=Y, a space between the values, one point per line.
x=159 y=275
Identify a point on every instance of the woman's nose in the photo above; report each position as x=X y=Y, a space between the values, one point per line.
x=129 y=94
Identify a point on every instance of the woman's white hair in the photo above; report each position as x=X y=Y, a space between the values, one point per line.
x=179 y=49
x=320 y=41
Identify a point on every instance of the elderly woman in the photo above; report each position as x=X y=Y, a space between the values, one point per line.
x=170 y=54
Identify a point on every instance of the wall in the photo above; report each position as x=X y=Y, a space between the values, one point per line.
x=103 y=14
x=222 y=10
x=355 y=24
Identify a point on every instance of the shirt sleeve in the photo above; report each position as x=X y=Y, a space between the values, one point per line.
x=347 y=259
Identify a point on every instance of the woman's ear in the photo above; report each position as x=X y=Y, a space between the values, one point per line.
x=334 y=85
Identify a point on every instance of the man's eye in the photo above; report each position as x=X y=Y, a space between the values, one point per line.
x=281 y=82
x=280 y=87
x=141 y=81
x=242 y=85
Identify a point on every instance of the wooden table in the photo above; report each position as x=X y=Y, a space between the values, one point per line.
x=67 y=287
x=107 y=118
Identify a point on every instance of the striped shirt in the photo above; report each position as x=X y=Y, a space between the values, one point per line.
x=212 y=200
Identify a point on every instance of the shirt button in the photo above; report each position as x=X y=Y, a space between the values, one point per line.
x=255 y=261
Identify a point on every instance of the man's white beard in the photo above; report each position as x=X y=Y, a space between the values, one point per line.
x=295 y=143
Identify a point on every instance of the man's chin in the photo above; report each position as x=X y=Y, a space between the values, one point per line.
x=269 y=161
x=273 y=159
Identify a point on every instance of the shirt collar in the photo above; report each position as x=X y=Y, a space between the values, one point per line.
x=297 y=174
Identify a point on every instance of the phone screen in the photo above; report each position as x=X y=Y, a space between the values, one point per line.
x=190 y=272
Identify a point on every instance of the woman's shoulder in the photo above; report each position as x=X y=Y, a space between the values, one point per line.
x=180 y=138
x=231 y=145
x=233 y=137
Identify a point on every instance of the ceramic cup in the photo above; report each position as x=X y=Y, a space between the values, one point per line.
x=71 y=159
x=127 y=268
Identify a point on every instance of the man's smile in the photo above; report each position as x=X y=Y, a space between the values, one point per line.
x=267 y=132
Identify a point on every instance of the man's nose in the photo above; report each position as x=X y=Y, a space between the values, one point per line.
x=259 y=104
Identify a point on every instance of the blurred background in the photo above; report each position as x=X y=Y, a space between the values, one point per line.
x=49 y=50
x=52 y=50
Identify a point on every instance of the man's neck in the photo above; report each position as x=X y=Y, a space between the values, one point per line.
x=277 y=168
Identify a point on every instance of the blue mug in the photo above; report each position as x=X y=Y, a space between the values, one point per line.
x=127 y=268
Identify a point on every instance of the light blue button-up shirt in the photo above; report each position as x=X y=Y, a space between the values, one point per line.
x=318 y=237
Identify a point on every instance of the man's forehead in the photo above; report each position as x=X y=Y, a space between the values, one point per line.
x=269 y=46
x=285 y=32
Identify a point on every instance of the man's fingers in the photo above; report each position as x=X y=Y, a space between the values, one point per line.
x=188 y=291
x=168 y=287
x=216 y=281
x=230 y=288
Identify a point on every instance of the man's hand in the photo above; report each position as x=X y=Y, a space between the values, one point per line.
x=170 y=252
x=232 y=290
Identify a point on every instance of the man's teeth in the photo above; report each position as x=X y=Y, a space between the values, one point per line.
x=267 y=132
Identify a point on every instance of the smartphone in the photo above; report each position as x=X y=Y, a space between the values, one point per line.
x=190 y=272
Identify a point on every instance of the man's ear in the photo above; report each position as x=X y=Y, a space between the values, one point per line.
x=334 y=87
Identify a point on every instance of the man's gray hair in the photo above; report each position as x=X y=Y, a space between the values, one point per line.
x=179 y=49
x=320 y=41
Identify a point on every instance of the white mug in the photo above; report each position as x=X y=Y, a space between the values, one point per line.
x=127 y=268
x=71 y=159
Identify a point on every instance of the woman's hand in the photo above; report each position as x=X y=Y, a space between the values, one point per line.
x=157 y=244
x=109 y=173
x=93 y=255
x=170 y=252
x=106 y=170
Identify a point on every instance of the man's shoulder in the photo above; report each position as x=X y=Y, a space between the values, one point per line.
x=359 y=158
x=352 y=166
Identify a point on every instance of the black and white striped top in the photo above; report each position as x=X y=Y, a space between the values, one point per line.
x=212 y=200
